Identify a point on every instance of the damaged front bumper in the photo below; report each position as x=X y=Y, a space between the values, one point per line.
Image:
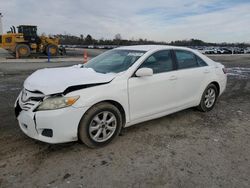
x=51 y=126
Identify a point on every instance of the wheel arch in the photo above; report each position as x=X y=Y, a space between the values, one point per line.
x=117 y=105
x=217 y=85
x=112 y=102
x=120 y=108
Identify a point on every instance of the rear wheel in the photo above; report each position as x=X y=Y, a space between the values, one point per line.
x=100 y=125
x=52 y=50
x=209 y=98
x=22 y=50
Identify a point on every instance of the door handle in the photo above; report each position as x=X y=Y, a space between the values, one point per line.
x=173 y=78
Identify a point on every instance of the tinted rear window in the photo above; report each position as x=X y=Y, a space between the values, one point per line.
x=201 y=62
x=185 y=59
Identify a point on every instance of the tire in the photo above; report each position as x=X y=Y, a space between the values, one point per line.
x=23 y=50
x=209 y=98
x=53 y=49
x=93 y=125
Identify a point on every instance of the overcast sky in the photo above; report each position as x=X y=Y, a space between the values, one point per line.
x=161 y=20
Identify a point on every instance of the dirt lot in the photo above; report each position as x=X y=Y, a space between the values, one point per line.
x=185 y=149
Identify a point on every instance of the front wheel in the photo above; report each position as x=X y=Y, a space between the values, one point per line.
x=100 y=125
x=23 y=50
x=209 y=98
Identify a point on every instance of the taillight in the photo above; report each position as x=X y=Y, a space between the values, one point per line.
x=224 y=70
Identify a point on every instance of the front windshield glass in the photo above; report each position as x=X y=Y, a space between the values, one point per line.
x=114 y=61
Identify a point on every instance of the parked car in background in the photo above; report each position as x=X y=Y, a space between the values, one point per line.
x=210 y=51
x=247 y=50
x=227 y=50
x=116 y=89
x=238 y=50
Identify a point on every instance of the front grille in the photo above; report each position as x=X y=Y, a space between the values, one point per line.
x=29 y=99
x=27 y=105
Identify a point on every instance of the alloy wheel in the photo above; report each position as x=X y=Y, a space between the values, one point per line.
x=210 y=97
x=102 y=126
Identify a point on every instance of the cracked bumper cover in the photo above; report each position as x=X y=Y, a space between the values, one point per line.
x=63 y=123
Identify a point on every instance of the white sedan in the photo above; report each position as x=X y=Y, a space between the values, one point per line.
x=119 y=88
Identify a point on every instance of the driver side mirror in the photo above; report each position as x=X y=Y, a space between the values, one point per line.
x=144 y=72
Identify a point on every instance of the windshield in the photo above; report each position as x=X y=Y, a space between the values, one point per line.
x=114 y=61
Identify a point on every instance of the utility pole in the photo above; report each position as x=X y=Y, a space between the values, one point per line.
x=1 y=24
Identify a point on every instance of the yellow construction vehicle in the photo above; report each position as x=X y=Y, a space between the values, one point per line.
x=26 y=41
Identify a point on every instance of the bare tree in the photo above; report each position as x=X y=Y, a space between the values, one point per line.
x=89 y=39
x=81 y=36
x=118 y=36
x=118 y=39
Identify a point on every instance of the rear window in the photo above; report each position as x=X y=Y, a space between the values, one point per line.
x=185 y=59
x=201 y=62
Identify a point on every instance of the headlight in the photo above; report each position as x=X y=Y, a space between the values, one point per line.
x=53 y=103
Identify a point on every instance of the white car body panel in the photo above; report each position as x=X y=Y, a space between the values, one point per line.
x=142 y=98
x=56 y=80
x=184 y=77
x=151 y=95
x=66 y=124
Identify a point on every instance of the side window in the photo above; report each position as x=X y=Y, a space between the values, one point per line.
x=185 y=59
x=160 y=62
x=201 y=62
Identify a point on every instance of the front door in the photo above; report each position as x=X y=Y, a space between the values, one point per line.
x=154 y=94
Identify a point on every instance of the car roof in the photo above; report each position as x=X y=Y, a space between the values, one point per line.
x=150 y=47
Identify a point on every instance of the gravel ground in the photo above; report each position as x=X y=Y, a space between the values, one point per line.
x=185 y=149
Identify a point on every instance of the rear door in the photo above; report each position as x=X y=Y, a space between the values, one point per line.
x=153 y=94
x=192 y=74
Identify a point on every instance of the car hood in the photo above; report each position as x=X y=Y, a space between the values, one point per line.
x=57 y=80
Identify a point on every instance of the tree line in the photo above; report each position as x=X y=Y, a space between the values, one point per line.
x=67 y=39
